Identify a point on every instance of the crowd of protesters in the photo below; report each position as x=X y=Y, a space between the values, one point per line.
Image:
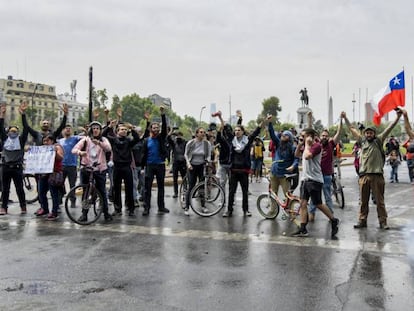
x=131 y=156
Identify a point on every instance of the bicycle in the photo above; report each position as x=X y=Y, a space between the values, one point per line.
x=207 y=198
x=337 y=188
x=88 y=200
x=30 y=188
x=269 y=203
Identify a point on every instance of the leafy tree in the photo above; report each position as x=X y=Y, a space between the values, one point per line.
x=271 y=106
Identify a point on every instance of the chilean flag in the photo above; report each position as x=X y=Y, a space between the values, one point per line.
x=389 y=98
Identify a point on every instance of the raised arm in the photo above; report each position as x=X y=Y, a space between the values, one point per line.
x=407 y=125
x=62 y=125
x=337 y=135
x=2 y=114
x=389 y=128
x=355 y=133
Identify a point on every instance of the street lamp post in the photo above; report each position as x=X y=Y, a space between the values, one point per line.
x=353 y=108
x=33 y=94
x=201 y=111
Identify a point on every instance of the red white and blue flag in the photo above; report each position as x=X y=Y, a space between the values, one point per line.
x=390 y=97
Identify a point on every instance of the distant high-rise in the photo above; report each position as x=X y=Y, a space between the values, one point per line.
x=369 y=113
x=213 y=109
x=330 y=112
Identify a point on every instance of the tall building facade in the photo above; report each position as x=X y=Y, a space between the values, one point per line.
x=41 y=97
x=158 y=100
x=77 y=110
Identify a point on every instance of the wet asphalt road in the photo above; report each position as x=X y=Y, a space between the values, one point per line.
x=175 y=262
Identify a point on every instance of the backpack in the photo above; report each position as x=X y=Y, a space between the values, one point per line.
x=410 y=148
x=178 y=151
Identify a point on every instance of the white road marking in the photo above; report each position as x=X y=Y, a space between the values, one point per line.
x=395 y=248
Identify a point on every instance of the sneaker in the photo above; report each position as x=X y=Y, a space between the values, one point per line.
x=52 y=216
x=41 y=212
x=163 y=210
x=145 y=212
x=117 y=213
x=360 y=224
x=23 y=211
x=187 y=212
x=59 y=210
x=175 y=195
x=3 y=211
x=334 y=225
x=384 y=226
x=205 y=210
x=83 y=218
x=108 y=217
x=131 y=214
x=301 y=233
x=228 y=214
x=248 y=214
x=72 y=204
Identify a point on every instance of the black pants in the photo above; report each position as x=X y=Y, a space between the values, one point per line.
x=197 y=173
x=100 y=184
x=123 y=173
x=178 y=167
x=157 y=170
x=69 y=172
x=15 y=173
x=243 y=178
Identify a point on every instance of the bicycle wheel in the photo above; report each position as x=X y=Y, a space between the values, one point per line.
x=86 y=202
x=30 y=188
x=207 y=200
x=267 y=206
x=338 y=193
x=183 y=191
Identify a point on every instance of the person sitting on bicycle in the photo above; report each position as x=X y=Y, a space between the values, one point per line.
x=284 y=161
x=240 y=167
x=197 y=153
x=92 y=149
x=329 y=144
x=13 y=153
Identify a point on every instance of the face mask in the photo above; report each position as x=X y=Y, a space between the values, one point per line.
x=13 y=135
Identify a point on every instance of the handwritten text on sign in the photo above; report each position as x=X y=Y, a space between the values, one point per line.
x=39 y=160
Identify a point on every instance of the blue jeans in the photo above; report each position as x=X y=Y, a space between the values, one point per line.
x=138 y=183
x=410 y=165
x=327 y=193
x=44 y=187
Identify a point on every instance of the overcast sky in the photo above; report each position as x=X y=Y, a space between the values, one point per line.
x=200 y=52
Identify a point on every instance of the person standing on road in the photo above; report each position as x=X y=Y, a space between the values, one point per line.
x=311 y=181
x=177 y=144
x=240 y=167
x=92 y=149
x=70 y=160
x=197 y=154
x=409 y=146
x=122 y=156
x=155 y=153
x=12 y=160
x=329 y=144
x=45 y=183
x=371 y=171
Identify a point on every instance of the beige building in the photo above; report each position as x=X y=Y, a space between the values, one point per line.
x=159 y=100
x=41 y=98
x=77 y=110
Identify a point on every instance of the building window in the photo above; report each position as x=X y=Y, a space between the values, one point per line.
x=9 y=83
x=41 y=88
x=31 y=86
x=51 y=89
x=20 y=85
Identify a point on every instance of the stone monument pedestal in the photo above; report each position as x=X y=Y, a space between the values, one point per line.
x=302 y=118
